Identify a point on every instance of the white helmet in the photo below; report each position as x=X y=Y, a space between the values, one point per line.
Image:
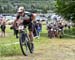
x=21 y=9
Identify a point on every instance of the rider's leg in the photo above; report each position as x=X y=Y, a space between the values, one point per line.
x=31 y=40
x=31 y=36
x=30 y=27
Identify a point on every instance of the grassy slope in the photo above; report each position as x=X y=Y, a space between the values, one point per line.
x=14 y=49
x=40 y=45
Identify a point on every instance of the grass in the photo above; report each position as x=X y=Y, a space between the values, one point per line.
x=14 y=49
x=11 y=50
x=70 y=32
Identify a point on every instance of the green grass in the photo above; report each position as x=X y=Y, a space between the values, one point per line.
x=70 y=31
x=11 y=50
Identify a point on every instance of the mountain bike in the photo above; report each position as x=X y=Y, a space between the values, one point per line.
x=25 y=45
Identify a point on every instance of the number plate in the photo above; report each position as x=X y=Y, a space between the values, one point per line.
x=21 y=27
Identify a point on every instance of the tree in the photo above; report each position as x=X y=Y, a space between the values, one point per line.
x=10 y=6
x=66 y=8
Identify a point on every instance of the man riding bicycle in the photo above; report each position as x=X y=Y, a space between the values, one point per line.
x=60 y=30
x=26 y=20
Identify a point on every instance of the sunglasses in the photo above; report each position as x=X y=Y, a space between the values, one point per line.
x=20 y=12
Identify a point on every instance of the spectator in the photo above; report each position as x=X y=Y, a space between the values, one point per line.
x=1 y=18
x=38 y=28
x=34 y=29
x=16 y=30
x=3 y=27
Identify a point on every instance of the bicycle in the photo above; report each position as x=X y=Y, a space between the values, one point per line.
x=50 y=33
x=25 y=45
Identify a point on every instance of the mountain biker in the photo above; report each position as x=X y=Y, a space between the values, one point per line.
x=60 y=28
x=55 y=30
x=26 y=20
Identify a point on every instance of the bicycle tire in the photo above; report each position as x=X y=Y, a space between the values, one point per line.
x=26 y=45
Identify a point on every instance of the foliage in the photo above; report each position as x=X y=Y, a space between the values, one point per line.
x=70 y=31
x=66 y=8
x=10 y=6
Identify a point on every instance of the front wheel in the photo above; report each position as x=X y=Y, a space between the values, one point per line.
x=24 y=45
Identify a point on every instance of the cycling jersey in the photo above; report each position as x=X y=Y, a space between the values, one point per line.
x=27 y=20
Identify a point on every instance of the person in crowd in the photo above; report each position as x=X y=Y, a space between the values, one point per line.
x=16 y=30
x=60 y=27
x=3 y=27
x=14 y=27
x=34 y=29
x=55 y=30
x=38 y=28
x=50 y=30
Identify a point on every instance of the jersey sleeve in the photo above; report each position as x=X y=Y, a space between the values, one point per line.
x=33 y=17
x=17 y=17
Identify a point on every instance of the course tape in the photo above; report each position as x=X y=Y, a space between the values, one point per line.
x=69 y=35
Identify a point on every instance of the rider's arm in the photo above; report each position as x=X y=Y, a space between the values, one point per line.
x=17 y=18
x=33 y=17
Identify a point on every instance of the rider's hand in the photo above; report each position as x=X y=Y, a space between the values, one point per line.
x=19 y=22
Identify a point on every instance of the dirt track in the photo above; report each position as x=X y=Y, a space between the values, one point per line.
x=54 y=50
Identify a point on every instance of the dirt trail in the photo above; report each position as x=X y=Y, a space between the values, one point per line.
x=55 y=50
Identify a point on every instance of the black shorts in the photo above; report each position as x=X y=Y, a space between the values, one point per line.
x=29 y=25
x=3 y=28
